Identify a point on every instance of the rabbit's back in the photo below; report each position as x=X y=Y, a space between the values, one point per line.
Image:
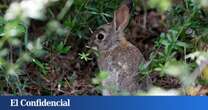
x=122 y=64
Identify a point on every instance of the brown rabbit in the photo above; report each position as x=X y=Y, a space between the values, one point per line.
x=118 y=57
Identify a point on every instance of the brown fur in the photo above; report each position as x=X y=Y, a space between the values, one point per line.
x=118 y=57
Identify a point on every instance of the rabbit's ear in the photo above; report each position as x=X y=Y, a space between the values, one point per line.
x=121 y=18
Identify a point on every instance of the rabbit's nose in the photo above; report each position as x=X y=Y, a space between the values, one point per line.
x=89 y=45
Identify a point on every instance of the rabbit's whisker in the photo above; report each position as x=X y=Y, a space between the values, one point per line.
x=91 y=31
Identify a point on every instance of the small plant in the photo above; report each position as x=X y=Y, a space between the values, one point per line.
x=43 y=67
x=100 y=77
x=61 y=48
x=85 y=56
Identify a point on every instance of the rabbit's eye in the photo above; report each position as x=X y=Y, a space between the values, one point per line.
x=100 y=36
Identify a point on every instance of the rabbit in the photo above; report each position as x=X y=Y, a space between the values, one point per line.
x=117 y=56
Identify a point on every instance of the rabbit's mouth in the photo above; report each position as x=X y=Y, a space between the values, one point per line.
x=91 y=45
x=94 y=48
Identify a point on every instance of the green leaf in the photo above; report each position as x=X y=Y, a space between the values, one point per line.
x=62 y=49
x=183 y=44
x=103 y=75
